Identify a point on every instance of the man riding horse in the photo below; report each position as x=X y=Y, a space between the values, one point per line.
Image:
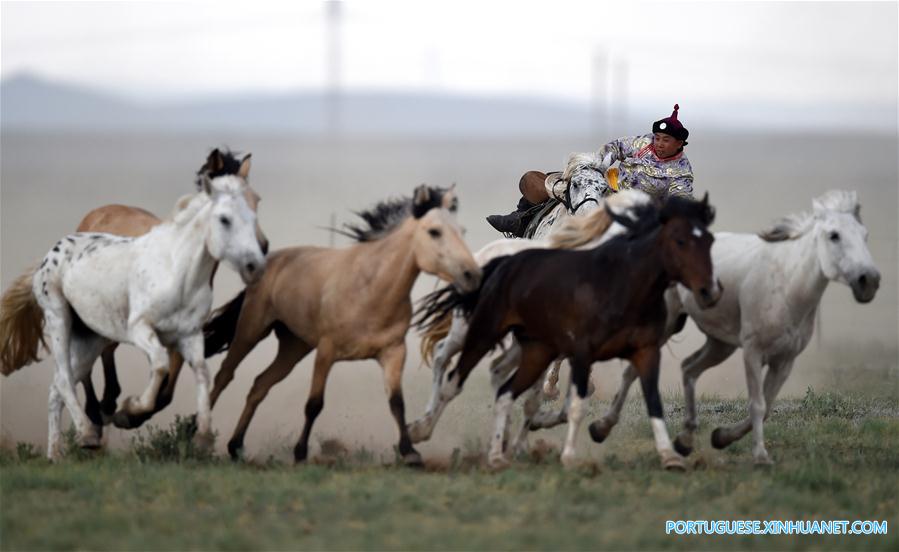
x=654 y=163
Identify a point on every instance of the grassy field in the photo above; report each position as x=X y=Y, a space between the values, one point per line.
x=837 y=457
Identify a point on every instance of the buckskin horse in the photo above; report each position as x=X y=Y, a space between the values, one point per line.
x=349 y=303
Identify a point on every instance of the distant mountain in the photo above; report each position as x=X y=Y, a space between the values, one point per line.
x=28 y=102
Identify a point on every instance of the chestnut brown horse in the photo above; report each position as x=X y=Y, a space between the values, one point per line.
x=591 y=305
x=125 y=220
x=350 y=304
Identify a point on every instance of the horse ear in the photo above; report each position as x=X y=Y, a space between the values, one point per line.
x=705 y=198
x=449 y=200
x=818 y=208
x=215 y=162
x=421 y=195
x=244 y=170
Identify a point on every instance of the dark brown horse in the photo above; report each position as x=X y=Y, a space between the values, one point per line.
x=590 y=305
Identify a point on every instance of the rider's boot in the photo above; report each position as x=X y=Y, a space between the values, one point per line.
x=515 y=222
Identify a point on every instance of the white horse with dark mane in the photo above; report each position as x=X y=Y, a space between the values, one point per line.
x=773 y=283
x=153 y=291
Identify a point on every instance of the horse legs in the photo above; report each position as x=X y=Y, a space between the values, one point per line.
x=580 y=381
x=713 y=353
x=145 y=338
x=392 y=360
x=446 y=348
x=501 y=368
x=58 y=324
x=111 y=388
x=98 y=411
x=163 y=398
x=291 y=350
x=192 y=349
x=646 y=363
x=535 y=357
x=529 y=410
x=550 y=385
x=83 y=350
x=477 y=345
x=774 y=379
x=600 y=429
x=92 y=405
x=324 y=359
x=253 y=324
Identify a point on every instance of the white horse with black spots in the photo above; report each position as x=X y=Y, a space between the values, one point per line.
x=153 y=291
x=773 y=283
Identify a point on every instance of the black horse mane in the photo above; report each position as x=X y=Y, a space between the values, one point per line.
x=230 y=164
x=385 y=216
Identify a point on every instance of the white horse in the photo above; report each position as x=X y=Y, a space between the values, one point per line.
x=153 y=291
x=773 y=283
x=579 y=233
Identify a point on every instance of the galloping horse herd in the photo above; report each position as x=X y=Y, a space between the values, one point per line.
x=614 y=281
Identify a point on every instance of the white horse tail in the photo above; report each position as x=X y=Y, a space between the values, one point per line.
x=433 y=334
x=21 y=325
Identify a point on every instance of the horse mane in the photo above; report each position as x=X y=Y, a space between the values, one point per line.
x=187 y=206
x=385 y=216
x=230 y=165
x=795 y=225
x=577 y=231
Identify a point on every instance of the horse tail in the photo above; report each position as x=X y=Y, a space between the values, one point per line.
x=21 y=325
x=219 y=330
x=440 y=304
x=433 y=334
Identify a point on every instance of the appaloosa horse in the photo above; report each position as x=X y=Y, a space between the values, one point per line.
x=125 y=220
x=153 y=291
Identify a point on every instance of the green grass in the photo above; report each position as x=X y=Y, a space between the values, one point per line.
x=837 y=458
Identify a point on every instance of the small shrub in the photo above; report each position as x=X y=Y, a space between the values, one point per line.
x=174 y=444
x=26 y=452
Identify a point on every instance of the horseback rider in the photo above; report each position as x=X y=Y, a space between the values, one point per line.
x=654 y=163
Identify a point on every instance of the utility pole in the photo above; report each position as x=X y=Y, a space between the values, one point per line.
x=334 y=13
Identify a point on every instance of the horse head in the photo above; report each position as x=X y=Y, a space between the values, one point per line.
x=687 y=247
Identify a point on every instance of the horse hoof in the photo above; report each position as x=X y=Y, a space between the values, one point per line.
x=599 y=430
x=235 y=450
x=762 y=461
x=413 y=460
x=497 y=462
x=90 y=441
x=417 y=432
x=203 y=441
x=681 y=447
x=122 y=420
x=299 y=454
x=569 y=461
x=107 y=408
x=718 y=439
x=674 y=462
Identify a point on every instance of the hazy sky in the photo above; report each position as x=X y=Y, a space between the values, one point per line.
x=803 y=54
